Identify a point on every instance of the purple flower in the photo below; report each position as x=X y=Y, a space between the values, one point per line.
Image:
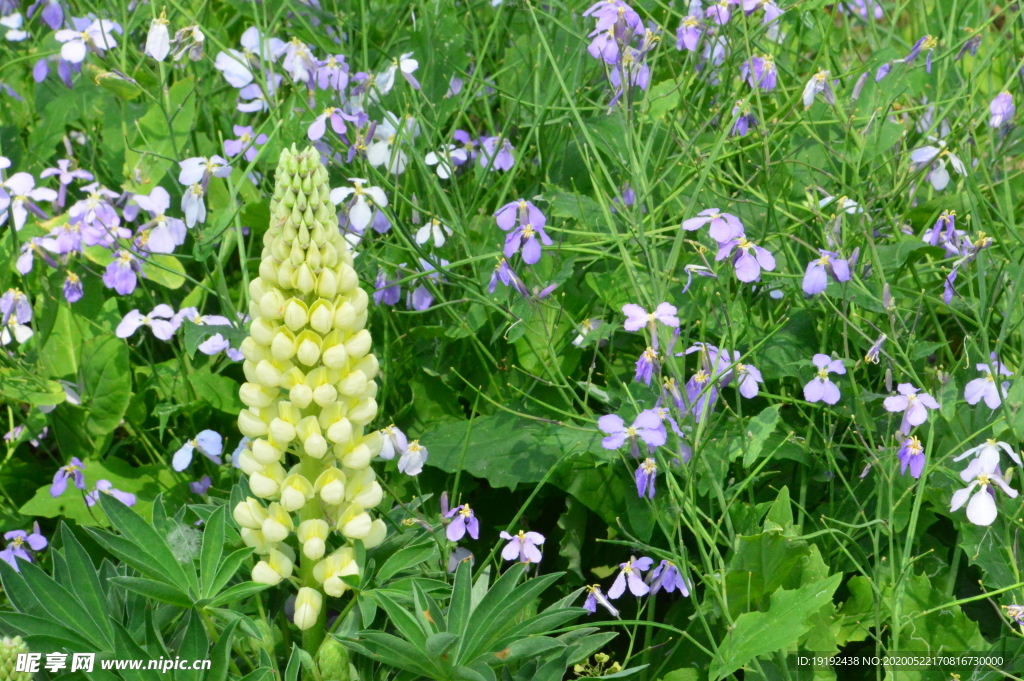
x=247 y=142
x=14 y=303
x=465 y=521
x=18 y=540
x=200 y=486
x=107 y=487
x=529 y=237
x=72 y=470
x=688 y=34
x=336 y=116
x=699 y=394
x=66 y=176
x=645 y=365
x=666 y=576
x=914 y=407
x=883 y=71
x=22 y=200
x=332 y=73
x=760 y=72
x=724 y=226
x=872 y=354
x=504 y=274
x=1002 y=109
x=521 y=209
x=53 y=13
x=748 y=377
x=749 y=258
x=629 y=573
x=647 y=426
x=209 y=443
x=821 y=388
x=121 y=274
x=719 y=12
x=522 y=546
x=637 y=317
x=865 y=8
x=595 y=597
x=945 y=234
x=494 y=157
x=911 y=453
x=421 y=298
x=818 y=272
x=986 y=387
x=646 y=474
x=386 y=290
x=926 y=42
x=743 y=120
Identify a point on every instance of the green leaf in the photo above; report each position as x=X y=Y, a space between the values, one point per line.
x=505 y=450
x=228 y=568
x=29 y=626
x=60 y=604
x=403 y=620
x=107 y=382
x=150 y=588
x=18 y=387
x=165 y=270
x=220 y=656
x=237 y=592
x=213 y=549
x=87 y=583
x=756 y=434
x=140 y=533
x=403 y=559
x=759 y=633
x=196 y=334
x=662 y=98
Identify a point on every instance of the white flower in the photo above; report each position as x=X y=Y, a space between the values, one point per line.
x=433 y=228
x=818 y=84
x=23 y=192
x=209 y=443
x=982 y=508
x=98 y=34
x=413 y=458
x=844 y=204
x=265 y=48
x=158 y=320
x=360 y=212
x=200 y=169
x=298 y=61
x=158 y=40
x=988 y=453
x=16 y=331
x=235 y=67
x=444 y=160
x=13 y=22
x=385 y=145
x=936 y=157
x=193 y=205
x=406 y=64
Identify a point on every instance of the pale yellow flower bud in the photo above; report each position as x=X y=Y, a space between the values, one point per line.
x=308 y=347
x=273 y=569
x=378 y=531
x=369 y=366
x=356 y=458
x=295 y=314
x=307 y=607
x=362 y=488
x=248 y=463
x=331 y=569
x=266 y=483
x=345 y=317
x=272 y=304
x=305 y=280
x=301 y=395
x=253 y=395
x=331 y=486
x=358 y=345
x=325 y=394
x=278 y=523
x=267 y=374
x=261 y=331
x=256 y=540
x=347 y=278
x=327 y=284
x=363 y=412
x=296 y=490
x=283 y=346
x=281 y=432
x=321 y=316
x=253 y=351
x=258 y=288
x=312 y=534
x=251 y=424
x=352 y=385
x=249 y=513
x=265 y=452
x=354 y=522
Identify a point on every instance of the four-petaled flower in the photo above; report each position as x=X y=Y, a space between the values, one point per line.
x=646 y=474
x=981 y=473
x=72 y=470
x=647 y=426
x=749 y=258
x=911 y=453
x=637 y=317
x=107 y=487
x=723 y=226
x=629 y=574
x=465 y=521
x=821 y=388
x=522 y=546
x=596 y=597
x=819 y=270
x=987 y=387
x=913 y=405
x=209 y=443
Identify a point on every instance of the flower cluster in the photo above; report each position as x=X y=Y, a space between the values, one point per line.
x=617 y=27
x=309 y=395
x=748 y=258
x=664 y=577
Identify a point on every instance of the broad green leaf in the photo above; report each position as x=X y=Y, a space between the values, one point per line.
x=759 y=633
x=220 y=656
x=406 y=558
x=756 y=434
x=18 y=387
x=220 y=391
x=165 y=270
x=237 y=592
x=107 y=382
x=228 y=568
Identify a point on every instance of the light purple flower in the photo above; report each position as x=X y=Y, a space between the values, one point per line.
x=332 y=73
x=200 y=486
x=72 y=290
x=666 y=576
x=646 y=474
x=945 y=234
x=1002 y=110
x=122 y=273
x=299 y=62
x=19 y=539
x=911 y=453
x=872 y=353
x=365 y=200
x=645 y=365
x=595 y=598
x=465 y=521
x=986 y=387
x=724 y=226
x=209 y=443
x=496 y=157
x=522 y=546
x=247 y=142
x=981 y=473
x=688 y=34
x=818 y=272
x=107 y=487
x=519 y=211
x=503 y=273
x=160 y=234
x=637 y=317
x=821 y=388
x=20 y=199
x=336 y=116
x=647 y=426
x=73 y=470
x=96 y=34
x=748 y=259
x=819 y=85
x=883 y=71
x=52 y=13
x=199 y=169
x=914 y=407
x=629 y=574
x=719 y=12
x=760 y=72
x=66 y=175
x=989 y=452
x=935 y=158
x=14 y=303
x=386 y=290
x=529 y=237
x=743 y=120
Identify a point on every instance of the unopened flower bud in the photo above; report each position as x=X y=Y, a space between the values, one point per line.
x=307 y=607
x=321 y=317
x=253 y=395
x=358 y=345
x=251 y=424
x=278 y=524
x=356 y=458
x=345 y=317
x=282 y=348
x=281 y=432
x=304 y=279
x=378 y=531
x=295 y=315
x=312 y=535
x=301 y=395
x=331 y=486
x=264 y=452
x=273 y=569
x=308 y=348
x=272 y=304
x=295 y=492
x=363 y=412
x=249 y=513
